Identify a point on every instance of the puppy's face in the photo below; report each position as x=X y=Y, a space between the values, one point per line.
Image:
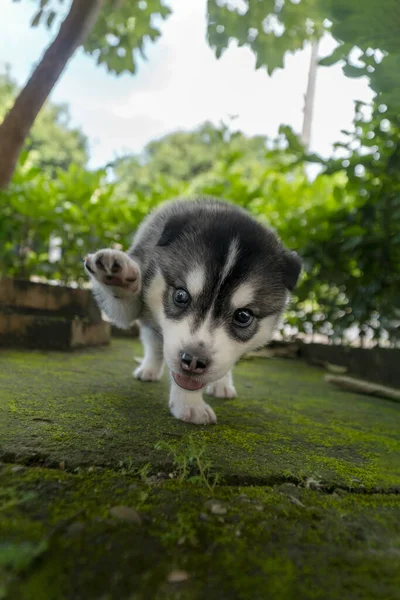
x=217 y=297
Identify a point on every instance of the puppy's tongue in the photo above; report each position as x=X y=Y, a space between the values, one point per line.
x=187 y=383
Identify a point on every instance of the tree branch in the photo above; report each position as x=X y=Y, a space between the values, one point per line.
x=18 y=122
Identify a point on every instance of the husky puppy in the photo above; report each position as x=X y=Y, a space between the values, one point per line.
x=207 y=283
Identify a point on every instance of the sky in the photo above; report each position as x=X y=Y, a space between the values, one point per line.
x=181 y=85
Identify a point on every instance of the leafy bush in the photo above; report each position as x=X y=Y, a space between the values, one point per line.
x=345 y=224
x=356 y=255
x=78 y=207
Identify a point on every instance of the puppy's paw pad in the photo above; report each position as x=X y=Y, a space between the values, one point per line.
x=114 y=268
x=221 y=390
x=148 y=373
x=198 y=414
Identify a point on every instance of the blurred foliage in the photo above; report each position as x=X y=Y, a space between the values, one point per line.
x=78 y=208
x=345 y=223
x=52 y=143
x=184 y=155
x=367 y=33
x=120 y=33
x=356 y=255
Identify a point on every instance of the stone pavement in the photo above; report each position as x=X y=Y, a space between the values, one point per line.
x=103 y=495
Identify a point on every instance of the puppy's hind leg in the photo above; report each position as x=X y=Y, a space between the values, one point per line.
x=152 y=365
x=223 y=388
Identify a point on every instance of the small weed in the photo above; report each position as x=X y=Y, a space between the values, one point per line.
x=127 y=467
x=144 y=472
x=191 y=462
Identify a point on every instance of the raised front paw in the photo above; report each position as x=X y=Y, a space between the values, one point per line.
x=198 y=413
x=115 y=269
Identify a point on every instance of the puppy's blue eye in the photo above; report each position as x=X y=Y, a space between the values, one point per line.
x=243 y=317
x=181 y=297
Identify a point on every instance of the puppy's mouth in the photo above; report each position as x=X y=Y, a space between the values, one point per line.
x=187 y=383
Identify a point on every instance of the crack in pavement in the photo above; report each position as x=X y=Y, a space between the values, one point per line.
x=325 y=487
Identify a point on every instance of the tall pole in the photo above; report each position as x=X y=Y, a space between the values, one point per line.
x=310 y=96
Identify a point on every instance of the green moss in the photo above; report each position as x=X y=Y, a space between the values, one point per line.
x=85 y=409
x=269 y=542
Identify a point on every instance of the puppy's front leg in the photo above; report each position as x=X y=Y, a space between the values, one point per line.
x=189 y=406
x=152 y=365
x=116 y=282
x=223 y=388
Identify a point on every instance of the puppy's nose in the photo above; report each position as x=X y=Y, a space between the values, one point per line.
x=193 y=364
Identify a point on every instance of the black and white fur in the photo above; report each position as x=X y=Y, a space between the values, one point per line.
x=207 y=283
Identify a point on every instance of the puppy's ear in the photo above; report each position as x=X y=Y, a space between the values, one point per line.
x=173 y=229
x=291 y=264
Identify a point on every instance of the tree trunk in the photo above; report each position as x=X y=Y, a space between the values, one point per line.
x=18 y=122
x=310 y=96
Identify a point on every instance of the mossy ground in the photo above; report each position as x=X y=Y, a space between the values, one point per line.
x=83 y=412
x=86 y=409
x=278 y=542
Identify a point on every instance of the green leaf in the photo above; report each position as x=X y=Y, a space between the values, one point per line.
x=339 y=53
x=354 y=231
x=352 y=71
x=132 y=27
